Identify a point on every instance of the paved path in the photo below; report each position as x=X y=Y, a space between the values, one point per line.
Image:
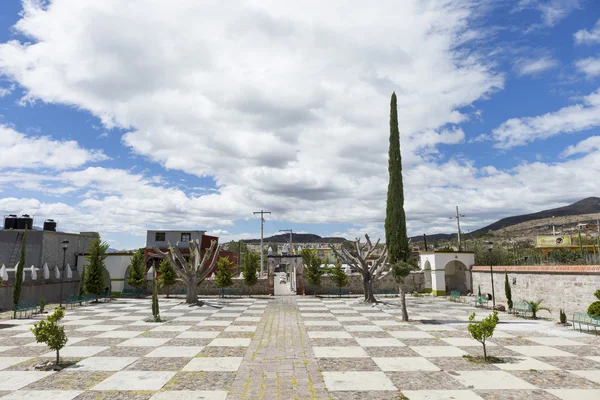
x=280 y=363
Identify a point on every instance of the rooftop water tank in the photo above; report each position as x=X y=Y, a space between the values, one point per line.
x=25 y=222
x=50 y=225
x=10 y=222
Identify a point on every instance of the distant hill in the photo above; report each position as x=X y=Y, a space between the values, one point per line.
x=297 y=238
x=590 y=205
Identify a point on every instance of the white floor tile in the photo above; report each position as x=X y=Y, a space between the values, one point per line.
x=575 y=394
x=15 y=380
x=394 y=364
x=441 y=395
x=340 y=352
x=214 y=364
x=357 y=381
x=540 y=351
x=175 y=351
x=43 y=394
x=438 y=351
x=491 y=380
x=102 y=364
x=135 y=380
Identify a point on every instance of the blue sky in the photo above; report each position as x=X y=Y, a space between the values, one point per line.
x=193 y=115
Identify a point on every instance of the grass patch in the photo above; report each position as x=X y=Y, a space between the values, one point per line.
x=481 y=360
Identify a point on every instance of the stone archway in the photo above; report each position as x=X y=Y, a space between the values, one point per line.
x=456 y=277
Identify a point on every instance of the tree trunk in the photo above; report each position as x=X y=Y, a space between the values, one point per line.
x=192 y=292
x=403 y=304
x=57 y=357
x=484 y=352
x=369 y=297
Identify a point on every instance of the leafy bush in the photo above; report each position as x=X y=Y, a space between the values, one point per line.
x=49 y=332
x=223 y=276
x=594 y=309
x=250 y=266
x=483 y=330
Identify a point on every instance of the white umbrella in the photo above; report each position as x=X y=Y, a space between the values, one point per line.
x=33 y=273
x=56 y=272
x=3 y=273
x=46 y=271
x=69 y=272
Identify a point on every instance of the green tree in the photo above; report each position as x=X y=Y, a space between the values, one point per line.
x=396 y=239
x=223 y=276
x=400 y=270
x=82 y=283
x=48 y=331
x=155 y=309
x=19 y=275
x=250 y=267
x=137 y=268
x=508 y=291
x=167 y=276
x=313 y=269
x=94 y=281
x=339 y=277
x=536 y=307
x=483 y=330
x=594 y=308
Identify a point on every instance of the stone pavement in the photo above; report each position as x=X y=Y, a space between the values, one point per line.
x=297 y=348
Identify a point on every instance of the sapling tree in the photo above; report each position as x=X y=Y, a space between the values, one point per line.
x=94 y=281
x=339 y=277
x=400 y=270
x=483 y=330
x=250 y=267
x=313 y=267
x=223 y=276
x=167 y=276
x=137 y=269
x=19 y=276
x=48 y=331
x=508 y=292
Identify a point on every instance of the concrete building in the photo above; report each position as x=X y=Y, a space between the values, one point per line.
x=165 y=238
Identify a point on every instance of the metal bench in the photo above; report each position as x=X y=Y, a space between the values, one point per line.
x=338 y=292
x=230 y=292
x=132 y=292
x=522 y=308
x=24 y=306
x=107 y=296
x=386 y=291
x=582 y=318
x=454 y=295
x=480 y=301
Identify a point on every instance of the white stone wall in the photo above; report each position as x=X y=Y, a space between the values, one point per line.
x=572 y=292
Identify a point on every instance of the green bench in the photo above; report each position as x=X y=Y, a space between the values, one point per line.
x=582 y=318
x=24 y=306
x=230 y=292
x=480 y=301
x=522 y=308
x=338 y=292
x=132 y=292
x=454 y=295
x=386 y=291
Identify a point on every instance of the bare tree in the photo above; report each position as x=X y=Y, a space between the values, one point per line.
x=357 y=256
x=193 y=270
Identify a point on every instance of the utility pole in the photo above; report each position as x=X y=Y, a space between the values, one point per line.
x=291 y=247
x=262 y=226
x=425 y=240
x=458 y=216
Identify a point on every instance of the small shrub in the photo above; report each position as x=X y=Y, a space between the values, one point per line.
x=49 y=332
x=535 y=308
x=42 y=305
x=479 y=290
x=483 y=330
x=563 y=316
x=223 y=276
x=594 y=309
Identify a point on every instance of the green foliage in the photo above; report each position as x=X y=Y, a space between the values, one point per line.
x=339 y=277
x=483 y=330
x=96 y=255
x=168 y=276
x=597 y=294
x=594 y=309
x=395 y=220
x=535 y=308
x=155 y=310
x=401 y=270
x=563 y=316
x=19 y=275
x=137 y=268
x=447 y=249
x=223 y=276
x=250 y=266
x=42 y=305
x=564 y=256
x=82 y=283
x=508 y=291
x=479 y=290
x=313 y=270
x=48 y=331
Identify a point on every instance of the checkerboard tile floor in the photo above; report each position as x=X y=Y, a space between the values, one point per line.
x=251 y=348
x=376 y=355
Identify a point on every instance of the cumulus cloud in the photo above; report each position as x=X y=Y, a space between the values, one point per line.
x=570 y=119
x=35 y=152
x=534 y=66
x=586 y=146
x=585 y=36
x=589 y=66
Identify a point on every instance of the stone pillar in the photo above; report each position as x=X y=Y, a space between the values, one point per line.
x=438 y=282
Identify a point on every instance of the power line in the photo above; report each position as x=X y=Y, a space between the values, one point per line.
x=262 y=226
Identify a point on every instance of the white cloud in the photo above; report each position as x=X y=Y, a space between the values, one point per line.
x=552 y=11
x=588 y=37
x=5 y=91
x=570 y=119
x=589 y=66
x=586 y=146
x=534 y=66
x=35 y=152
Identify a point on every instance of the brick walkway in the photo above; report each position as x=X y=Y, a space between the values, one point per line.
x=280 y=363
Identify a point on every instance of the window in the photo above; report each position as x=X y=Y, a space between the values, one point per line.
x=159 y=237
x=186 y=237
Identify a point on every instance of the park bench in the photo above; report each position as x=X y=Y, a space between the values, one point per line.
x=522 y=308
x=338 y=292
x=386 y=291
x=582 y=318
x=480 y=301
x=454 y=295
x=132 y=292
x=106 y=296
x=24 y=306
x=230 y=292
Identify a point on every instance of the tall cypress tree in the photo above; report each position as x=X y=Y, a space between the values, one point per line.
x=395 y=220
x=19 y=276
x=94 y=281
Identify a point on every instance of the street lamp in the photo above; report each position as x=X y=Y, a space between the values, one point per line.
x=65 y=246
x=490 y=248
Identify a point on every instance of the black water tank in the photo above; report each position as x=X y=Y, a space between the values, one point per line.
x=25 y=222
x=50 y=225
x=10 y=222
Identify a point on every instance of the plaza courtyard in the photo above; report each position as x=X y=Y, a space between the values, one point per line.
x=297 y=347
